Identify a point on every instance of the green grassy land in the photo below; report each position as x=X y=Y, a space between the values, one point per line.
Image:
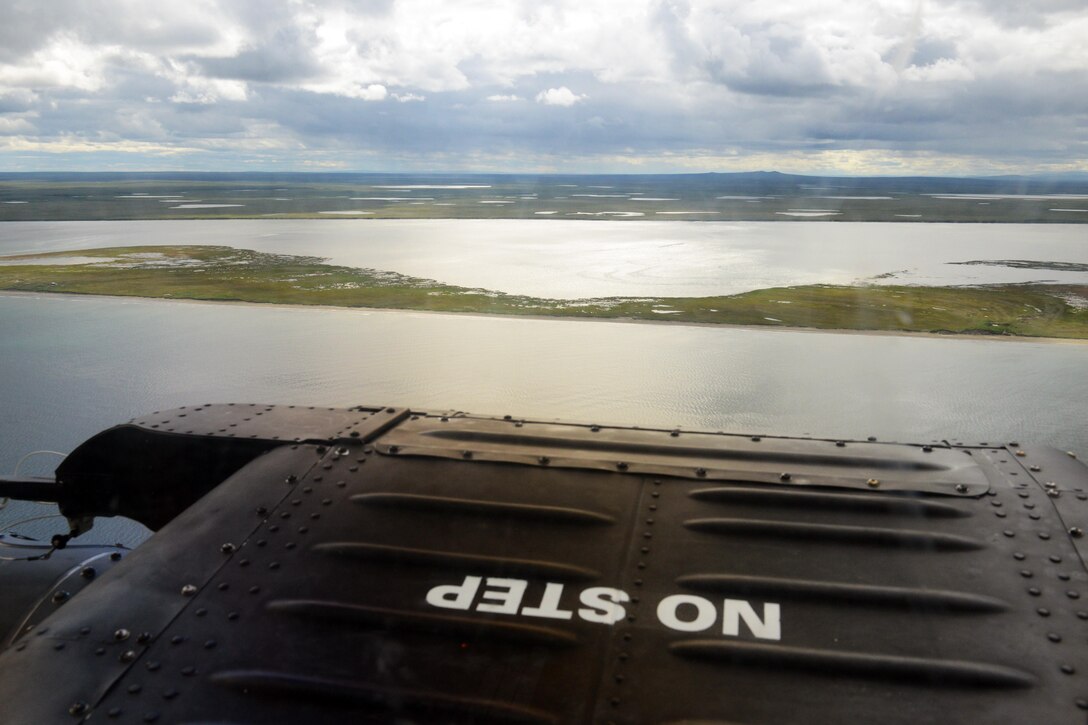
x=227 y=274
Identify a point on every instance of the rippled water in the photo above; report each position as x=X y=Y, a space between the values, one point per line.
x=73 y=366
x=572 y=259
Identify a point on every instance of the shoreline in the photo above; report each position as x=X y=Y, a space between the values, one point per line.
x=563 y=318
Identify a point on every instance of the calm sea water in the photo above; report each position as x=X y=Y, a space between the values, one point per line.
x=73 y=366
x=573 y=259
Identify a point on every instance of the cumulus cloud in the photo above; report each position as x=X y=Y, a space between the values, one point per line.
x=561 y=96
x=278 y=81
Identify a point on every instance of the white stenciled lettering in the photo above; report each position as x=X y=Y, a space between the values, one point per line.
x=549 y=604
x=603 y=604
x=769 y=627
x=507 y=592
x=454 y=596
x=704 y=613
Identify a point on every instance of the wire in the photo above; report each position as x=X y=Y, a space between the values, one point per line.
x=7 y=529
x=36 y=453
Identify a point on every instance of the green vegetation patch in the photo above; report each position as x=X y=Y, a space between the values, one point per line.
x=228 y=274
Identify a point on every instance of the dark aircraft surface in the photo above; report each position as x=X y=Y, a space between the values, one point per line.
x=382 y=565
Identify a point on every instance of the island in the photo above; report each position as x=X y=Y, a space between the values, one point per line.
x=227 y=274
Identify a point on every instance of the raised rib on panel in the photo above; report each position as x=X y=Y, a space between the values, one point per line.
x=551 y=514
x=865 y=535
x=929 y=600
x=403 y=619
x=324 y=689
x=921 y=670
x=847 y=502
x=476 y=562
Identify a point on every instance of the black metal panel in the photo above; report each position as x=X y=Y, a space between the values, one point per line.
x=332 y=583
x=35 y=580
x=710 y=456
x=287 y=423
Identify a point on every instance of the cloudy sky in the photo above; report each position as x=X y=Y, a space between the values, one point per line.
x=836 y=86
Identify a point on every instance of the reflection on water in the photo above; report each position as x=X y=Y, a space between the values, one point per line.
x=572 y=259
x=73 y=366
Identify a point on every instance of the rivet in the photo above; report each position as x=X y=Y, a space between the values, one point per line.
x=188 y=590
x=78 y=708
x=134 y=689
x=58 y=646
x=394 y=450
x=784 y=477
x=1009 y=533
x=231 y=616
x=1076 y=532
x=1068 y=669
x=1082 y=615
x=927 y=449
x=840 y=444
x=466 y=454
x=261 y=543
x=1054 y=637
x=274 y=565
x=303 y=529
x=127 y=656
x=1034 y=469
x=61 y=597
x=1073 y=594
x=700 y=472
x=1053 y=493
x=595 y=428
x=1043 y=612
x=674 y=433
x=115 y=556
x=84 y=630
x=1021 y=454
x=254 y=589
x=120 y=635
x=1019 y=556
x=1055 y=558
x=326 y=502
x=621 y=466
x=177 y=639
x=871 y=439
x=1025 y=573
x=873 y=482
x=151 y=716
x=223 y=586
x=227 y=548
x=210 y=644
x=1064 y=577
x=114 y=712
x=655 y=494
x=1034 y=591
x=1081 y=703
x=961 y=488
x=243 y=562
x=1044 y=536
x=284 y=515
x=756 y=439
x=188 y=670
x=292 y=478
x=153 y=666
x=88 y=572
x=143 y=637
